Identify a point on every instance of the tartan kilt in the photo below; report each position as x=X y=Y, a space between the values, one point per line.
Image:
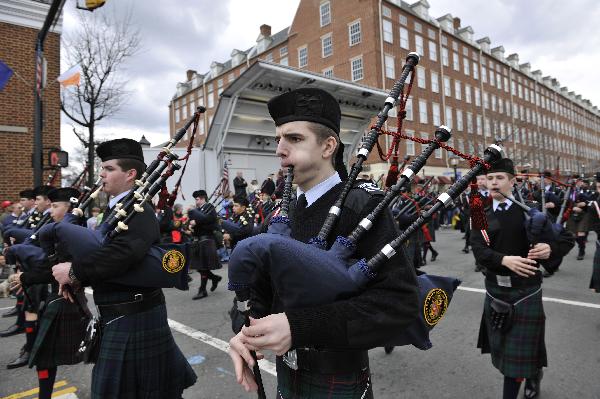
x=204 y=255
x=138 y=358
x=61 y=329
x=520 y=352
x=595 y=280
x=309 y=385
x=576 y=224
x=37 y=295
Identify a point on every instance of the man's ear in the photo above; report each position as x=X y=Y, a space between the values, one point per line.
x=131 y=175
x=329 y=146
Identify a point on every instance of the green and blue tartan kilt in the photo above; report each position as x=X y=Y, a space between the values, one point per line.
x=138 y=358
x=595 y=280
x=293 y=384
x=520 y=352
x=61 y=329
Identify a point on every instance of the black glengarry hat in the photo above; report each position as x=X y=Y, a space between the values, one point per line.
x=310 y=104
x=65 y=194
x=120 y=149
x=503 y=165
x=27 y=194
x=199 y=193
x=42 y=190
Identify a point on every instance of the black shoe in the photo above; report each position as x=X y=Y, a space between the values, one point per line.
x=215 y=282
x=21 y=361
x=201 y=294
x=12 y=330
x=388 y=349
x=189 y=278
x=434 y=256
x=478 y=268
x=581 y=254
x=465 y=250
x=13 y=312
x=532 y=386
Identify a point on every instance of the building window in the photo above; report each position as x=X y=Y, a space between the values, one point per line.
x=357 y=69
x=477 y=97
x=302 y=57
x=211 y=99
x=499 y=81
x=325 y=13
x=447 y=88
x=484 y=74
x=388 y=35
x=219 y=87
x=328 y=72
x=435 y=82
x=419 y=45
x=421 y=77
x=230 y=77
x=409 y=109
x=459 y=119
x=468 y=94
x=431 y=33
x=479 y=125
x=455 y=61
x=444 y=40
x=435 y=109
x=390 y=71
x=404 y=38
x=177 y=116
x=454 y=46
x=432 y=51
x=486 y=100
x=354 y=33
x=445 y=60
x=475 y=71
x=386 y=11
x=402 y=19
x=283 y=51
x=326 y=46
x=423 y=115
x=418 y=27
x=284 y=61
x=466 y=66
x=410 y=145
x=269 y=57
x=469 y=122
x=448 y=115
x=457 y=90
x=486 y=128
x=492 y=80
x=424 y=136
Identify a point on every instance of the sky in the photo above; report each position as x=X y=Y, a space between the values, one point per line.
x=559 y=38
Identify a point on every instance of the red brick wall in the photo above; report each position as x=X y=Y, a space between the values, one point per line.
x=17 y=106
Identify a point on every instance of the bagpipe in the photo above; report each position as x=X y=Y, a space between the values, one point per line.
x=165 y=265
x=293 y=266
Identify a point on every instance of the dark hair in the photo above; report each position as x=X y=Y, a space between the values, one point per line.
x=323 y=133
x=241 y=200
x=127 y=164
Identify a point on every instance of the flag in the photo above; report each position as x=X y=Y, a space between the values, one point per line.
x=5 y=74
x=225 y=179
x=70 y=77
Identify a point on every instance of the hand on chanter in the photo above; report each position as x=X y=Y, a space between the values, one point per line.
x=271 y=332
x=242 y=362
x=539 y=251
x=522 y=266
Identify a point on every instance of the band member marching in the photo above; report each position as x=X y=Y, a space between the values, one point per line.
x=203 y=220
x=137 y=356
x=513 y=321
x=331 y=340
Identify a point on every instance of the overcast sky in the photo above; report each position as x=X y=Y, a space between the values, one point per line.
x=557 y=37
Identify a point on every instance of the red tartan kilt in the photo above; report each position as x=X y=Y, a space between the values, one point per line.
x=426 y=233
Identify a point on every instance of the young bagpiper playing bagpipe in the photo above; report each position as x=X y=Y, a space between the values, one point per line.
x=137 y=355
x=509 y=251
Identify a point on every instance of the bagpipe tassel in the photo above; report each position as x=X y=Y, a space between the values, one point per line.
x=393 y=173
x=478 y=219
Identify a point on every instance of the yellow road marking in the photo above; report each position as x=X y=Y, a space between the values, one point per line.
x=64 y=391
x=33 y=391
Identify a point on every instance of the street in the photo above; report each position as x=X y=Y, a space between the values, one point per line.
x=453 y=368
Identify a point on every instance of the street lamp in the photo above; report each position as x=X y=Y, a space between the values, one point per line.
x=454 y=161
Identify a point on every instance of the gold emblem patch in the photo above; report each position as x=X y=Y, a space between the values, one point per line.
x=436 y=304
x=173 y=261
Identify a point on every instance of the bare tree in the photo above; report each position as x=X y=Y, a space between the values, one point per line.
x=100 y=46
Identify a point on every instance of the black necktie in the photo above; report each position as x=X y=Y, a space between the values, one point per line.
x=501 y=207
x=301 y=203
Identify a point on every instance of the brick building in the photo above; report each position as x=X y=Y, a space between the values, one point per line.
x=20 y=21
x=461 y=82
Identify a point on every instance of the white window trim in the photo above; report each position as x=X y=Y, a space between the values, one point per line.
x=305 y=47
x=350 y=33
x=359 y=57
x=321 y=13
x=326 y=36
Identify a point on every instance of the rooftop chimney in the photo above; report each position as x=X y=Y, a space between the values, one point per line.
x=456 y=23
x=265 y=30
